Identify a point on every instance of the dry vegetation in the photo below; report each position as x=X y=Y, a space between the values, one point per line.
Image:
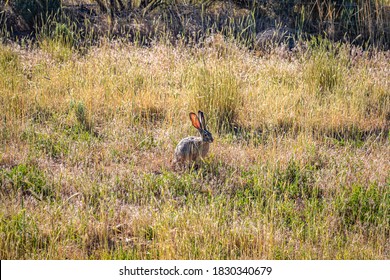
x=299 y=168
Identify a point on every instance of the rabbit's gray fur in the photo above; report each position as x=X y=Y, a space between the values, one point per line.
x=192 y=148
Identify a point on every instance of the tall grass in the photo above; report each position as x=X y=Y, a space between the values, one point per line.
x=298 y=169
x=216 y=89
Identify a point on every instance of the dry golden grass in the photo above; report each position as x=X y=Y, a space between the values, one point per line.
x=299 y=168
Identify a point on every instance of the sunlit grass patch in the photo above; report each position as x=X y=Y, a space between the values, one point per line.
x=216 y=89
x=298 y=168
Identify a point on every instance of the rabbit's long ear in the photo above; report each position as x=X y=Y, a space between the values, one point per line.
x=195 y=120
x=202 y=120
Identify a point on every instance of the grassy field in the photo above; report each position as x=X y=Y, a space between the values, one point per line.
x=299 y=168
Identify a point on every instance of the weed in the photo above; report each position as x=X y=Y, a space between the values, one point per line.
x=27 y=179
x=295 y=182
x=364 y=206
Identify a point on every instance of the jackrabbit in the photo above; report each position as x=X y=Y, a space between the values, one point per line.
x=192 y=148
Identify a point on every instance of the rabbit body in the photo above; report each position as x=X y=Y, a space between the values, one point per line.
x=193 y=148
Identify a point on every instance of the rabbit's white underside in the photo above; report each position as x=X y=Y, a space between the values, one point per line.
x=190 y=149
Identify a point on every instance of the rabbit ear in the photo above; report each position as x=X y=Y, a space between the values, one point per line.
x=202 y=120
x=195 y=120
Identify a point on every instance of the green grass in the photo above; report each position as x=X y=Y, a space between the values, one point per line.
x=299 y=168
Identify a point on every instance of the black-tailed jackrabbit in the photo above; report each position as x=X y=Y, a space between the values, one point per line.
x=192 y=148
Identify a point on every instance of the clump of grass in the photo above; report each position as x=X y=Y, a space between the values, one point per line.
x=60 y=38
x=216 y=90
x=28 y=179
x=23 y=234
x=81 y=115
x=363 y=205
x=324 y=70
x=12 y=81
x=58 y=50
x=53 y=145
x=9 y=60
x=295 y=182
